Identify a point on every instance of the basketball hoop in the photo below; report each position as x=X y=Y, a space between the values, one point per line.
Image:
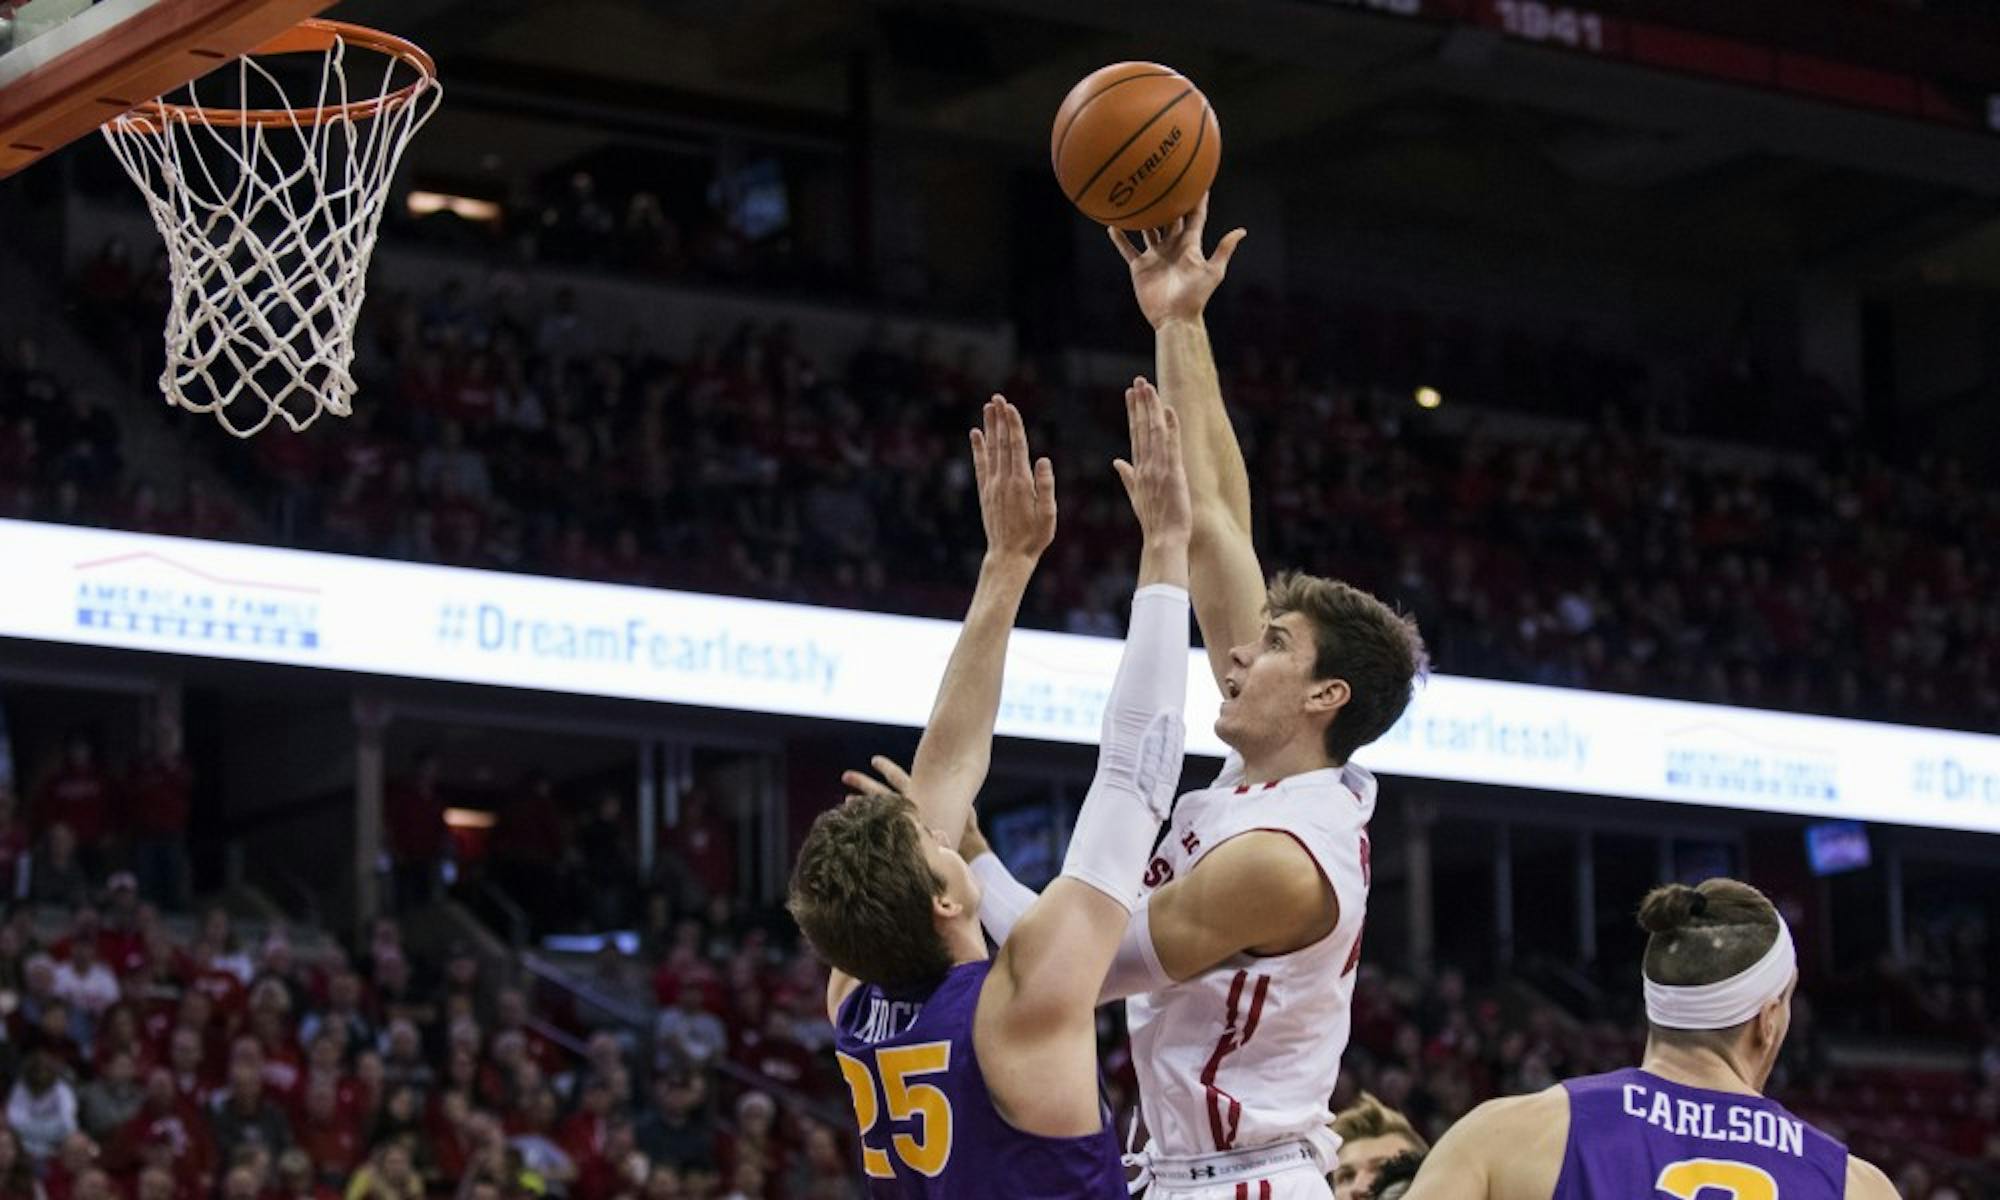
x=270 y=213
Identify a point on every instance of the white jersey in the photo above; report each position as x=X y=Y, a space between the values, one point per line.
x=1246 y=1053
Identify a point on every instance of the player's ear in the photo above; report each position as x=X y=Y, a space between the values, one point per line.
x=1328 y=696
x=1771 y=1024
x=945 y=907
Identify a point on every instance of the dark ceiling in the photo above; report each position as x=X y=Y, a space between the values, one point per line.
x=1439 y=124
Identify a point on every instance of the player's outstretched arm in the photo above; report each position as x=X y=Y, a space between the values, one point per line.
x=1017 y=503
x=1173 y=280
x=1035 y=1027
x=1260 y=892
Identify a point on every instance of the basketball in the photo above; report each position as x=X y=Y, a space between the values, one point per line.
x=1135 y=145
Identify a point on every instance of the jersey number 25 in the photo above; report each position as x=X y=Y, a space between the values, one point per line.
x=926 y=1152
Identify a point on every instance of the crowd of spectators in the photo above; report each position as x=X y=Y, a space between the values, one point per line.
x=688 y=1059
x=723 y=988
x=138 y=1065
x=571 y=863
x=86 y=821
x=135 y=1064
x=686 y=228
x=495 y=432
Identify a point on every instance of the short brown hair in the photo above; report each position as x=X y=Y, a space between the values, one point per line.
x=1376 y=649
x=1368 y=1117
x=1705 y=934
x=862 y=892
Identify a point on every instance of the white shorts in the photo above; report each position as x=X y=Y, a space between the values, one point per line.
x=1282 y=1171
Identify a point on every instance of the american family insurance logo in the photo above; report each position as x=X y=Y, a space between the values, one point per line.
x=1714 y=759
x=156 y=596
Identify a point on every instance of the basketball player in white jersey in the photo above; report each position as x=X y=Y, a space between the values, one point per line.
x=1240 y=966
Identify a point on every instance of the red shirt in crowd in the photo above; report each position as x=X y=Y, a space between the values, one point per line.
x=775 y=1056
x=123 y=950
x=77 y=796
x=708 y=846
x=158 y=797
x=677 y=973
x=335 y=1146
x=581 y=1135
x=225 y=989
x=448 y=1147
x=530 y=829
x=181 y=1127
x=284 y=1072
x=413 y=821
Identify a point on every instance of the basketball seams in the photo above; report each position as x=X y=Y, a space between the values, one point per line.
x=1140 y=166
x=1127 y=144
x=1055 y=155
x=1194 y=156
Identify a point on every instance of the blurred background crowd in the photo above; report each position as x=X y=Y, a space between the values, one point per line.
x=1807 y=574
x=1543 y=348
x=156 y=1050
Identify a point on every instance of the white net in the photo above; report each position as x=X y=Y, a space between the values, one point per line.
x=270 y=218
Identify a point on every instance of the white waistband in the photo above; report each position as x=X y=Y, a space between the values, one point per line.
x=1171 y=1174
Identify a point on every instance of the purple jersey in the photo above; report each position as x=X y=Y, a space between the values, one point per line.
x=928 y=1128
x=1633 y=1134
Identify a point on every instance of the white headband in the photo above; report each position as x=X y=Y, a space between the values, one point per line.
x=1727 y=1002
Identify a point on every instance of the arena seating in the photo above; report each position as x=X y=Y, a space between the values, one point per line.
x=1588 y=550
x=1598 y=554
x=699 y=1053
x=686 y=1101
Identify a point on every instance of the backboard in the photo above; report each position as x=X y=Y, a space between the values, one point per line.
x=68 y=66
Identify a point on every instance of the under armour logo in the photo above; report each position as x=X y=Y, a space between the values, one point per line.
x=1201 y=1173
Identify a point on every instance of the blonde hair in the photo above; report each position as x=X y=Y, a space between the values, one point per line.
x=1368 y=1117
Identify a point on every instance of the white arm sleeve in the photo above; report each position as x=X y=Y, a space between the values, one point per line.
x=1139 y=755
x=1003 y=898
x=1136 y=968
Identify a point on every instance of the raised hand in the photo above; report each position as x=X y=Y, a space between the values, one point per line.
x=972 y=843
x=893 y=781
x=890 y=779
x=1171 y=276
x=1155 y=478
x=1017 y=502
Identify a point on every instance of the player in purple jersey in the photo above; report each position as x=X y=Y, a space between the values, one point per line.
x=974 y=1079
x=1691 y=1121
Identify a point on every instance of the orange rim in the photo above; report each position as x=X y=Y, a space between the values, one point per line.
x=311 y=36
